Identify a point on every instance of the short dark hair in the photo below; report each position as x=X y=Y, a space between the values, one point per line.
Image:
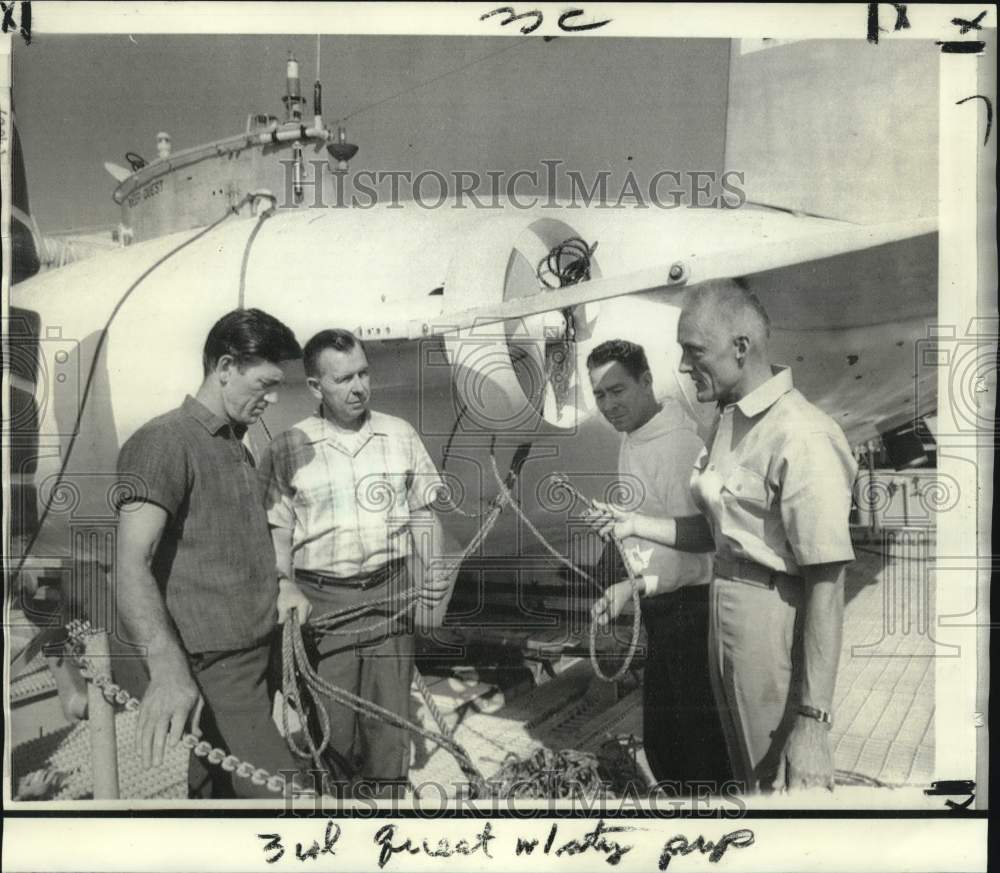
x=334 y=338
x=248 y=335
x=630 y=355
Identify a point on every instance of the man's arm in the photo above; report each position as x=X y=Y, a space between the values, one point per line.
x=172 y=692
x=290 y=596
x=816 y=473
x=688 y=534
x=807 y=757
x=281 y=518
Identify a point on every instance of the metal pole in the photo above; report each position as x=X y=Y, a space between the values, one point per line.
x=873 y=524
x=101 y=716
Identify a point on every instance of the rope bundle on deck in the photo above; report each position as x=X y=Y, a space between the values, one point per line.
x=546 y=774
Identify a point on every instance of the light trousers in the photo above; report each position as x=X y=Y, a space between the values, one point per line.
x=755 y=639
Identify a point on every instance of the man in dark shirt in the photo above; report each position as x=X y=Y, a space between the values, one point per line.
x=196 y=582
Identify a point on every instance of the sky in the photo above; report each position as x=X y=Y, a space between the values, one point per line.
x=595 y=103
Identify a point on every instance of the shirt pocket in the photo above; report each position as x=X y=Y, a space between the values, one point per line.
x=748 y=489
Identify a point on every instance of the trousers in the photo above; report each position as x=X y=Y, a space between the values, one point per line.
x=375 y=665
x=755 y=640
x=682 y=731
x=236 y=687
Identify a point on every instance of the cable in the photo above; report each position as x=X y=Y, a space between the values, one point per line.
x=266 y=214
x=233 y=210
x=575 y=270
x=432 y=80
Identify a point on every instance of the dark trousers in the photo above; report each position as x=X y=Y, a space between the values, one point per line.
x=237 y=691
x=377 y=666
x=682 y=730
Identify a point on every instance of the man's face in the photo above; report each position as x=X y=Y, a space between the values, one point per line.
x=708 y=355
x=342 y=384
x=623 y=400
x=248 y=391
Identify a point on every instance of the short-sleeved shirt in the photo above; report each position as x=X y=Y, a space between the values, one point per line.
x=657 y=458
x=776 y=481
x=215 y=562
x=347 y=497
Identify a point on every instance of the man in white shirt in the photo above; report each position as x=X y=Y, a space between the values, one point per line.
x=682 y=733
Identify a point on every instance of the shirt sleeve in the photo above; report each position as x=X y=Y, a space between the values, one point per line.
x=673 y=481
x=275 y=487
x=423 y=489
x=153 y=467
x=675 y=476
x=817 y=479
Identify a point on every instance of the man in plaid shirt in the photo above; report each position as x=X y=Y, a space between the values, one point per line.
x=348 y=495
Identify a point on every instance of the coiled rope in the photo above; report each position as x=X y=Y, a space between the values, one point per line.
x=566 y=263
x=564 y=483
x=302 y=686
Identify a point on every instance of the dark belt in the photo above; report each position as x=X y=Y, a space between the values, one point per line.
x=743 y=570
x=355 y=583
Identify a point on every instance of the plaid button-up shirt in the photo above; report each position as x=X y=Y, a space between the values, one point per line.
x=347 y=497
x=776 y=482
x=215 y=561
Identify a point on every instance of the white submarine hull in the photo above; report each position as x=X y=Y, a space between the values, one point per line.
x=849 y=325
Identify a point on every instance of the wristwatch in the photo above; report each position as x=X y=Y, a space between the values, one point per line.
x=821 y=715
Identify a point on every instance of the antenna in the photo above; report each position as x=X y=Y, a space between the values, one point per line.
x=317 y=93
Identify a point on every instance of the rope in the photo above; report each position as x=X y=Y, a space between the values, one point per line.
x=509 y=499
x=548 y=774
x=295 y=660
x=568 y=263
x=302 y=686
x=563 y=482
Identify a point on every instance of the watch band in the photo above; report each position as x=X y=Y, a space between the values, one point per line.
x=821 y=715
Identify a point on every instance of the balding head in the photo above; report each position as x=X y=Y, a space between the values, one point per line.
x=732 y=307
x=723 y=332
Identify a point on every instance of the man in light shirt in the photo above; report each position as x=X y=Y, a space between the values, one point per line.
x=682 y=735
x=774 y=492
x=349 y=493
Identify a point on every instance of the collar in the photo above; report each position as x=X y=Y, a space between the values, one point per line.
x=208 y=419
x=317 y=428
x=763 y=397
x=669 y=417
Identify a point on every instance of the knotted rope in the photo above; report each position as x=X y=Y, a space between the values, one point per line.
x=563 y=482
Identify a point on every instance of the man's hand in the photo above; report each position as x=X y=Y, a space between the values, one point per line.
x=608 y=520
x=610 y=605
x=432 y=594
x=435 y=588
x=170 y=700
x=806 y=761
x=290 y=597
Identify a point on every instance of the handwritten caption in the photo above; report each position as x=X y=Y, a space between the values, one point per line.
x=392 y=844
